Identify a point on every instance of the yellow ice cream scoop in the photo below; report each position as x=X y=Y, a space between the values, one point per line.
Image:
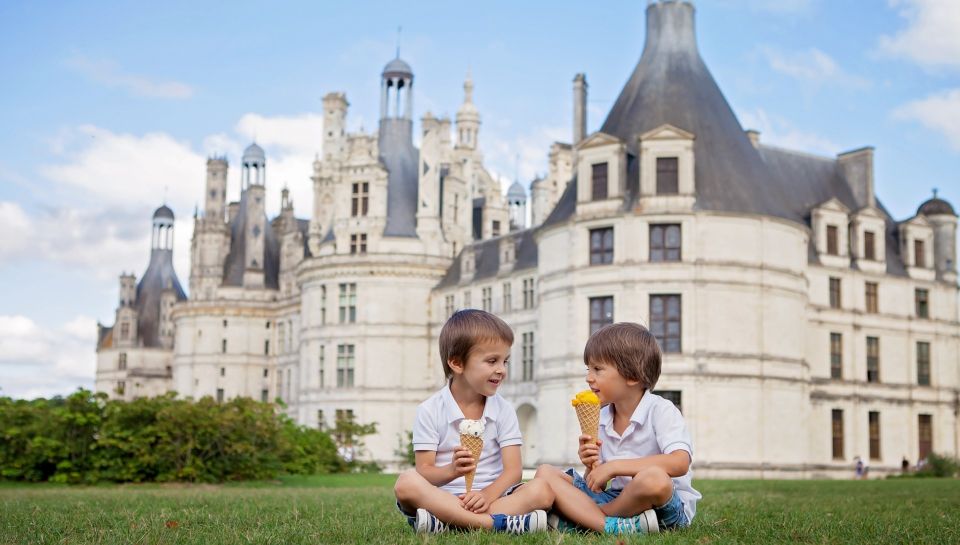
x=585 y=397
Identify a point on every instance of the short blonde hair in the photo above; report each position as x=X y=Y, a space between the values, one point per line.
x=630 y=347
x=467 y=328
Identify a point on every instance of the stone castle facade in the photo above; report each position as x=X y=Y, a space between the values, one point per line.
x=801 y=324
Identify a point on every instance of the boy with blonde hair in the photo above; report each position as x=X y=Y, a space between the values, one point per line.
x=475 y=351
x=643 y=450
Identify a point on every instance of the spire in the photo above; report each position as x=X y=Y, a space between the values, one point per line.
x=468 y=118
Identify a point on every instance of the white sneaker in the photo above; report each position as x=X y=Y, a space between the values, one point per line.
x=427 y=523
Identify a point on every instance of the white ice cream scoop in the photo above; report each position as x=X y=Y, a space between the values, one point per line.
x=471 y=427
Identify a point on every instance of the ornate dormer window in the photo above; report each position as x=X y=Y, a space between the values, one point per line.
x=601 y=172
x=916 y=247
x=467 y=264
x=830 y=221
x=867 y=240
x=666 y=168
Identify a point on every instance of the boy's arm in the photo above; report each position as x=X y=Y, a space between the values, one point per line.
x=675 y=464
x=426 y=463
x=512 y=472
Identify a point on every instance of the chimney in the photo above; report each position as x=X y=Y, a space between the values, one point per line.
x=753 y=136
x=857 y=168
x=579 y=108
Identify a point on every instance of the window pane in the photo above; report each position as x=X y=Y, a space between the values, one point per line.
x=599 y=175
x=667 y=181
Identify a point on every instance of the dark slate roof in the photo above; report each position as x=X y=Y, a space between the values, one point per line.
x=936 y=206
x=566 y=205
x=400 y=159
x=236 y=260
x=163 y=212
x=158 y=278
x=672 y=85
x=105 y=337
x=487 y=257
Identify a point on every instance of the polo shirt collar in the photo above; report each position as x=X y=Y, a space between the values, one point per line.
x=491 y=409
x=639 y=415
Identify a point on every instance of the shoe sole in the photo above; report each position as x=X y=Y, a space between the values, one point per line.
x=538 y=521
x=653 y=525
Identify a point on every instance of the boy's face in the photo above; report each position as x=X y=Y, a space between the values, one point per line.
x=486 y=367
x=605 y=381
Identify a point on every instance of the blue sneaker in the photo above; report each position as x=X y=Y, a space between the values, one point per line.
x=534 y=521
x=426 y=523
x=556 y=522
x=644 y=523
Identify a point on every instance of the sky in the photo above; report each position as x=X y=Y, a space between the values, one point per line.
x=110 y=109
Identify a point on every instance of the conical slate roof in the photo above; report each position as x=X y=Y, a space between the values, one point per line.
x=158 y=278
x=672 y=85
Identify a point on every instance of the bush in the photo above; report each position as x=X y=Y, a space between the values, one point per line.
x=939 y=465
x=86 y=438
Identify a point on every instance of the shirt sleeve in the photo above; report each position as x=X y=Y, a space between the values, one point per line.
x=671 y=430
x=426 y=435
x=508 y=427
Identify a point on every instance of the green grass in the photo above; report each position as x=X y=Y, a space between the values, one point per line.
x=360 y=509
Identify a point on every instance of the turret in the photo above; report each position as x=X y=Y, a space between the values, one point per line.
x=334 y=124
x=944 y=220
x=468 y=118
x=253 y=178
x=215 y=199
x=517 y=203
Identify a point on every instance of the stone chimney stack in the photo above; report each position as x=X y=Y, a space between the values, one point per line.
x=579 y=108
x=857 y=168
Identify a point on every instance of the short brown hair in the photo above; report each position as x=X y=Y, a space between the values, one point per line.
x=464 y=330
x=628 y=346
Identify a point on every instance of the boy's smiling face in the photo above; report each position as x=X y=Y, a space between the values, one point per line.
x=605 y=381
x=486 y=367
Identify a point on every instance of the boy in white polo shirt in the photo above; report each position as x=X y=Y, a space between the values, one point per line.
x=644 y=449
x=475 y=350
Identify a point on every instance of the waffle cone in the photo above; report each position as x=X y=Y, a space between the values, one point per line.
x=589 y=416
x=475 y=446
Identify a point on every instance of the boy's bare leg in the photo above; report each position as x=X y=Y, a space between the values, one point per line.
x=571 y=501
x=532 y=495
x=648 y=488
x=414 y=491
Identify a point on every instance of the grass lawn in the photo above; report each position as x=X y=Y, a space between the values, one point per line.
x=360 y=509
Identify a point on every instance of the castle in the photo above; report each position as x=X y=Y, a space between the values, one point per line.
x=801 y=324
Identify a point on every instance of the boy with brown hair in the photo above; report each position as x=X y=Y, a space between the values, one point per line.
x=643 y=448
x=475 y=351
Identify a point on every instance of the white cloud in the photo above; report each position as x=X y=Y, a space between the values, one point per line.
x=939 y=112
x=524 y=152
x=780 y=132
x=813 y=66
x=932 y=35
x=38 y=361
x=109 y=74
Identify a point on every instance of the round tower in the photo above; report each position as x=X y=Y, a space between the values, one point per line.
x=396 y=85
x=517 y=201
x=944 y=220
x=162 y=235
x=254 y=167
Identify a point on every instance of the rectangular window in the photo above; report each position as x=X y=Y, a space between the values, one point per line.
x=925 y=428
x=667 y=179
x=836 y=420
x=448 y=305
x=266 y=347
x=601 y=246
x=121 y=387
x=874 y=419
x=923 y=363
x=223 y=371
x=527 y=346
x=323 y=365
x=919 y=255
x=872 y=297
x=122 y=361
x=921 y=298
x=124 y=331
x=323 y=305
x=873 y=359
x=266 y=373
x=360 y=199
x=665 y=321
x=507 y=301
x=348 y=303
x=220 y=395
x=869 y=246
x=343 y=416
x=321 y=422
x=834 y=292
x=673 y=396
x=601 y=312
x=495 y=228
x=486 y=296
x=345 y=363
x=223 y=346
x=836 y=356
x=358 y=243
x=665 y=242
x=467 y=300
x=264 y=395
x=832 y=240
x=528 y=294
x=598 y=176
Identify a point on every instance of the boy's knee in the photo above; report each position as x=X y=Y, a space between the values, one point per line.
x=406 y=484
x=546 y=471
x=656 y=482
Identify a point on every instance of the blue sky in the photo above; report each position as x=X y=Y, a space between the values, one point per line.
x=108 y=110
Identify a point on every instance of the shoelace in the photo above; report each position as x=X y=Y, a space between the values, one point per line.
x=436 y=525
x=515 y=524
x=627 y=524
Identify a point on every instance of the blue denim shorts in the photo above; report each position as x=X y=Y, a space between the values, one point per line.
x=670 y=515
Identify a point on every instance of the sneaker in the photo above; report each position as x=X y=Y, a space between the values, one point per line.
x=644 y=523
x=426 y=523
x=534 y=521
x=556 y=522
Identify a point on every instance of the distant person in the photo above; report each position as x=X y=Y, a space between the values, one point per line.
x=474 y=350
x=643 y=450
x=859 y=470
x=904 y=466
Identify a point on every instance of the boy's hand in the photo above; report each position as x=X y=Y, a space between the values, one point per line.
x=597 y=477
x=474 y=501
x=589 y=452
x=463 y=462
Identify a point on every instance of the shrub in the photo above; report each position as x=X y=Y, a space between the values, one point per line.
x=939 y=465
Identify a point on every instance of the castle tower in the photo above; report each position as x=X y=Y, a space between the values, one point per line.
x=944 y=220
x=215 y=198
x=334 y=124
x=517 y=203
x=396 y=148
x=253 y=177
x=468 y=118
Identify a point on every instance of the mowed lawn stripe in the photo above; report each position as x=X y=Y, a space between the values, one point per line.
x=360 y=509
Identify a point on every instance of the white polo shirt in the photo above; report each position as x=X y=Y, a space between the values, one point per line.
x=656 y=427
x=437 y=428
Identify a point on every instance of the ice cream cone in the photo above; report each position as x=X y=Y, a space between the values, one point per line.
x=589 y=416
x=475 y=445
